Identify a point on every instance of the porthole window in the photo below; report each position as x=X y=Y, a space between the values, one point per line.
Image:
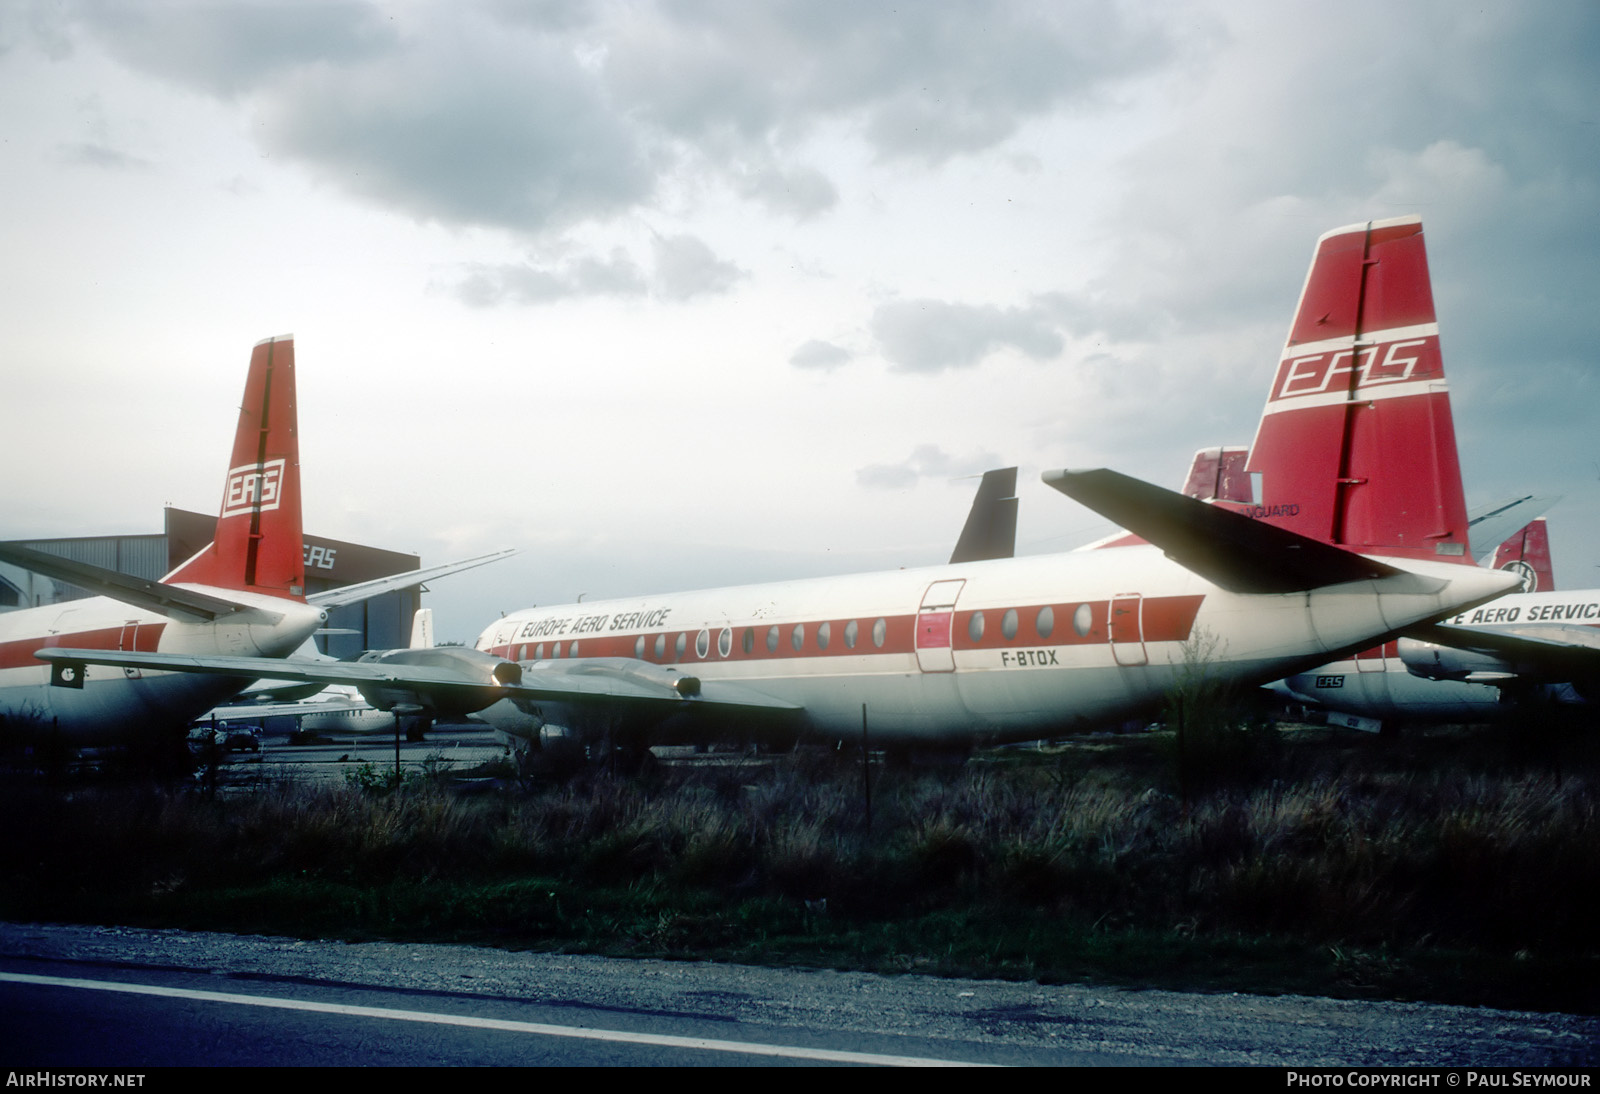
x=702 y=644
x=1046 y=621
x=538 y=652
x=522 y=653
x=797 y=637
x=975 y=627
x=1083 y=619
x=824 y=632
x=772 y=639
x=748 y=640
x=572 y=650
x=725 y=642
x=638 y=647
x=880 y=632
x=1008 y=624
x=661 y=646
x=850 y=632
x=555 y=651
x=680 y=645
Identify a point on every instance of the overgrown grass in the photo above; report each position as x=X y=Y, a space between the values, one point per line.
x=1448 y=867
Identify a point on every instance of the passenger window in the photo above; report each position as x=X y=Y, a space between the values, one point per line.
x=975 y=627
x=638 y=647
x=725 y=642
x=850 y=633
x=1046 y=621
x=880 y=632
x=572 y=650
x=661 y=646
x=824 y=632
x=538 y=652
x=680 y=645
x=1008 y=624
x=772 y=639
x=797 y=637
x=747 y=640
x=1083 y=619
x=702 y=644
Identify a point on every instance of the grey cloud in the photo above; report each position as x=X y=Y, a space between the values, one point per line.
x=90 y=154
x=536 y=117
x=686 y=267
x=934 y=335
x=927 y=461
x=618 y=275
x=925 y=81
x=819 y=355
x=480 y=133
x=799 y=192
x=230 y=48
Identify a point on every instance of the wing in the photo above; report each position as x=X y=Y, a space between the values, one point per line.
x=351 y=594
x=453 y=681
x=1504 y=653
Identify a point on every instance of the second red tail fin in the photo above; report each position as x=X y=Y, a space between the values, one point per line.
x=1528 y=553
x=258 y=545
x=1356 y=445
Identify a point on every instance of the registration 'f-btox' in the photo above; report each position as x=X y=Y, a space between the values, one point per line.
x=1012 y=649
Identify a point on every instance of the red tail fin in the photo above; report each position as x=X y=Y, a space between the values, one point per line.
x=1219 y=474
x=1356 y=444
x=258 y=545
x=1528 y=553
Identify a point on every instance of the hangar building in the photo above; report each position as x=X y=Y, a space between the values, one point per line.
x=381 y=622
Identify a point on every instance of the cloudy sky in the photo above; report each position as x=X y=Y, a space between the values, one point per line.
x=678 y=294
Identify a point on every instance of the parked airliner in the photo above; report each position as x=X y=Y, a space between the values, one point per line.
x=1366 y=537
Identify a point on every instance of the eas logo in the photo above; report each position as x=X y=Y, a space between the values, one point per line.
x=254 y=486
x=1330 y=681
x=319 y=557
x=1383 y=363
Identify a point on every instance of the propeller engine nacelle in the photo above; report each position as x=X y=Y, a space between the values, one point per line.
x=1432 y=661
x=468 y=680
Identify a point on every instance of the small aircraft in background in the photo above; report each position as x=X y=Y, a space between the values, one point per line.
x=1365 y=537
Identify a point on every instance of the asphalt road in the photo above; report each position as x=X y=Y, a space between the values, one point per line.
x=109 y=997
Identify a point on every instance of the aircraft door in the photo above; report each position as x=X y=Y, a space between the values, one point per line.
x=503 y=636
x=1127 y=629
x=935 y=620
x=1371 y=660
x=129 y=640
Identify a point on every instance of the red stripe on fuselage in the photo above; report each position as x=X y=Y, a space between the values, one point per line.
x=1164 y=619
x=18 y=654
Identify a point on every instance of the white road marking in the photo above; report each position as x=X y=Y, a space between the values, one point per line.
x=702 y=1044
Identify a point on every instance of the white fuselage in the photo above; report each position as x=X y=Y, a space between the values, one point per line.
x=114 y=703
x=1001 y=650
x=1377 y=684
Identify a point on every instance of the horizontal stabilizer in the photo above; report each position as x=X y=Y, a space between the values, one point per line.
x=365 y=590
x=1490 y=525
x=168 y=600
x=1231 y=550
